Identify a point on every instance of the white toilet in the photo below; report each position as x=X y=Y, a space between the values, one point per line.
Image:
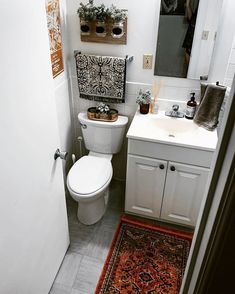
x=89 y=177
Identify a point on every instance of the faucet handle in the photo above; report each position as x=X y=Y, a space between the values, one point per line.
x=175 y=107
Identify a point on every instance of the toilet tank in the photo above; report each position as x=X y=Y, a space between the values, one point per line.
x=103 y=137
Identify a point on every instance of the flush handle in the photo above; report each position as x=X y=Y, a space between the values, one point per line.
x=60 y=154
x=161 y=166
x=172 y=168
x=84 y=126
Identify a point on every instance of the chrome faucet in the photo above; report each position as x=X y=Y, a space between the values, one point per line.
x=174 y=112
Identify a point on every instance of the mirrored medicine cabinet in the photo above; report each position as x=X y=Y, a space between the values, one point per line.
x=186 y=37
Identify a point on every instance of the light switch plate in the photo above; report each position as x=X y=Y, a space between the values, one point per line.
x=147 y=61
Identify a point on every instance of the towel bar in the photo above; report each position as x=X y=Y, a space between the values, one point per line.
x=128 y=58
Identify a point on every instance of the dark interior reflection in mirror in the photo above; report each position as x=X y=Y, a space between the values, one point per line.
x=175 y=37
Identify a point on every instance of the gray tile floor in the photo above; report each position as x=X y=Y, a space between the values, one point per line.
x=89 y=245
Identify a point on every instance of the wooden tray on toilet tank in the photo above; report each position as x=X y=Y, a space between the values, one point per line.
x=93 y=114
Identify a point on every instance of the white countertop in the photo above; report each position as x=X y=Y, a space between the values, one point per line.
x=174 y=131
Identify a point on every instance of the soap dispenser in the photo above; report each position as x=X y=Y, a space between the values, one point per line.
x=191 y=107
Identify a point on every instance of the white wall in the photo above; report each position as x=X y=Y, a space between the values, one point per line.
x=143 y=20
x=136 y=44
x=207 y=20
x=230 y=67
x=223 y=62
x=224 y=43
x=141 y=39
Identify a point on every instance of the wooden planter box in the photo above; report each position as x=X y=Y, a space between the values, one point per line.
x=94 y=115
x=108 y=36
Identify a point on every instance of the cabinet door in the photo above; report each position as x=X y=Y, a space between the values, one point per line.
x=144 y=185
x=183 y=193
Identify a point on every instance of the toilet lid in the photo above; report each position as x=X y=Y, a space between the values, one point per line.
x=89 y=174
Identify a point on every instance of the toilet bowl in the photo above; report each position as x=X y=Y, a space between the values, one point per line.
x=88 y=182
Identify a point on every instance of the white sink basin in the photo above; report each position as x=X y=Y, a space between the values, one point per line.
x=172 y=126
x=178 y=131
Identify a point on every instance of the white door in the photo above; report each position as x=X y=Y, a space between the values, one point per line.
x=144 y=185
x=33 y=220
x=184 y=189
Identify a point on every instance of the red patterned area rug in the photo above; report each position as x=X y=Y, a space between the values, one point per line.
x=144 y=259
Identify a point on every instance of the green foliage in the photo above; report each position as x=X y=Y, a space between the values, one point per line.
x=86 y=11
x=103 y=108
x=101 y=12
x=144 y=97
x=116 y=14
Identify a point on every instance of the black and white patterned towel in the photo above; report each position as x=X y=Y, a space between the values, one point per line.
x=101 y=78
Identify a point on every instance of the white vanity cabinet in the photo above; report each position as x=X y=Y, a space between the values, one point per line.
x=166 y=182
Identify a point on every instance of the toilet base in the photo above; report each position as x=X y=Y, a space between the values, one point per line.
x=90 y=213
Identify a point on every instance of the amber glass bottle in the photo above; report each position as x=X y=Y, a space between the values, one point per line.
x=191 y=107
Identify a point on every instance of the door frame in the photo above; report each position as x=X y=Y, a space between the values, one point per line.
x=214 y=209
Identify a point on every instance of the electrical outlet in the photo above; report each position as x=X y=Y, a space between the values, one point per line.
x=147 y=61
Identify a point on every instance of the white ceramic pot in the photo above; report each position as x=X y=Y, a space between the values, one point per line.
x=100 y=28
x=117 y=30
x=85 y=28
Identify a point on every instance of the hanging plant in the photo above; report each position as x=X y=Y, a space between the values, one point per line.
x=86 y=13
x=118 y=16
x=101 y=14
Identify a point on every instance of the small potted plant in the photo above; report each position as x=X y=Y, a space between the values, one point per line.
x=101 y=13
x=144 y=99
x=103 y=110
x=86 y=14
x=118 y=17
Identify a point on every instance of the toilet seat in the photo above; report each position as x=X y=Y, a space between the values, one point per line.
x=89 y=175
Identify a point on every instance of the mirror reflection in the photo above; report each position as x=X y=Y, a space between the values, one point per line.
x=175 y=37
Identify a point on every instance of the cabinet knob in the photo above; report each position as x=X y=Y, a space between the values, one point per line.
x=172 y=168
x=161 y=166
